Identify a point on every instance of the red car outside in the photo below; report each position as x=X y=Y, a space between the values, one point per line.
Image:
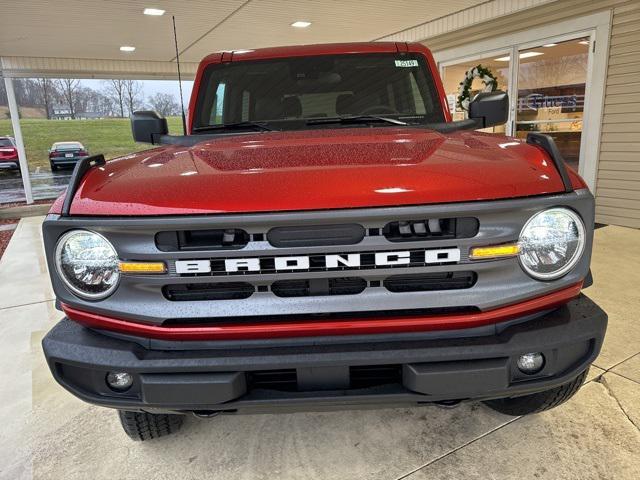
x=8 y=154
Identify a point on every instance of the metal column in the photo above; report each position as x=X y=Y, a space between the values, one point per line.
x=17 y=133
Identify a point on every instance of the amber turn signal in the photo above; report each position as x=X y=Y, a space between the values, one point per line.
x=142 y=267
x=496 y=251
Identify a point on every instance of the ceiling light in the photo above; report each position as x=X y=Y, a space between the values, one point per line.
x=153 y=11
x=549 y=45
x=127 y=48
x=301 y=24
x=530 y=54
x=584 y=42
x=522 y=55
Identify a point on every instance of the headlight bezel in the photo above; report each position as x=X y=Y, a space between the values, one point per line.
x=63 y=277
x=575 y=258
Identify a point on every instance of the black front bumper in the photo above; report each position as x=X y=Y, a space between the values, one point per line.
x=323 y=373
x=9 y=164
x=65 y=161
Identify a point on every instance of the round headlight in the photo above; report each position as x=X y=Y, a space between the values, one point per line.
x=551 y=243
x=88 y=264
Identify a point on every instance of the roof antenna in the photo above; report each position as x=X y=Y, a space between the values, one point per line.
x=175 y=40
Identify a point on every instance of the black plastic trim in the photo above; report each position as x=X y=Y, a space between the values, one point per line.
x=208 y=291
x=571 y=336
x=316 y=235
x=588 y=281
x=81 y=168
x=429 y=282
x=547 y=143
x=202 y=239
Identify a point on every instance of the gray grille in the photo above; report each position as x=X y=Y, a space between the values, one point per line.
x=495 y=282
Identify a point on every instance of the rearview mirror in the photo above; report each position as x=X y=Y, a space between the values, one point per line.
x=490 y=108
x=147 y=126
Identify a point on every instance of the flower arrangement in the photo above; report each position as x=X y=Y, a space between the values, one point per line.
x=464 y=90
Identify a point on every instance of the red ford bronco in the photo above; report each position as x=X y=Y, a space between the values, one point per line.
x=323 y=236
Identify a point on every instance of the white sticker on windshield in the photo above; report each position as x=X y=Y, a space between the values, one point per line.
x=406 y=63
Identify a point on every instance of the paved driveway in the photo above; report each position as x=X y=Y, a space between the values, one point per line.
x=46 y=433
x=44 y=184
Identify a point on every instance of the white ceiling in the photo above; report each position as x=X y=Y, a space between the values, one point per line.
x=95 y=29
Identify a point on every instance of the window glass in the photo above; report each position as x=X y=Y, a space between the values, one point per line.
x=417 y=97
x=218 y=110
x=552 y=80
x=277 y=90
x=246 y=105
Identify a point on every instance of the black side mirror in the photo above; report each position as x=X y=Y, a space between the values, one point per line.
x=490 y=108
x=147 y=126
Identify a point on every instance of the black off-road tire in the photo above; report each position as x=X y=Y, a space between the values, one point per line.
x=142 y=426
x=538 y=402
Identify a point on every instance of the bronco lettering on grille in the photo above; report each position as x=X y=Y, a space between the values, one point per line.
x=319 y=262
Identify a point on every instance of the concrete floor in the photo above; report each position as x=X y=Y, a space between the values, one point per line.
x=46 y=433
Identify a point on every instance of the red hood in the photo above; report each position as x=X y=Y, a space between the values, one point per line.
x=317 y=169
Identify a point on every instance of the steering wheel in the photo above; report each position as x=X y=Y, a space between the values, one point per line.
x=379 y=110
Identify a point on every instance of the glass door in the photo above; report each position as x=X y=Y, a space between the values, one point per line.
x=551 y=84
x=453 y=73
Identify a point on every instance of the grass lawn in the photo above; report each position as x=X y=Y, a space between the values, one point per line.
x=109 y=136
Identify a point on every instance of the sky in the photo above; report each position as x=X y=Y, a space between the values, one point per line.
x=150 y=87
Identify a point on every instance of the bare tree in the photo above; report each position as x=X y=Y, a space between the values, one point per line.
x=105 y=104
x=116 y=90
x=3 y=94
x=94 y=102
x=48 y=93
x=164 y=103
x=133 y=91
x=69 y=90
x=26 y=92
x=82 y=101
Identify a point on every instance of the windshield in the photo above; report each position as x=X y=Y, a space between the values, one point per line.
x=5 y=142
x=285 y=93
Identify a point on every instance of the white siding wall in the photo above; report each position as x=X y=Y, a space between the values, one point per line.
x=480 y=13
x=618 y=187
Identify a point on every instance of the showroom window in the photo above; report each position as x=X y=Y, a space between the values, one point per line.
x=547 y=88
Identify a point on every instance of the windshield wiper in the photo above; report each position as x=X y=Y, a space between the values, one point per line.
x=233 y=126
x=355 y=119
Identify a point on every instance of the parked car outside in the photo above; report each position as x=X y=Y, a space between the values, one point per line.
x=66 y=154
x=9 y=154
